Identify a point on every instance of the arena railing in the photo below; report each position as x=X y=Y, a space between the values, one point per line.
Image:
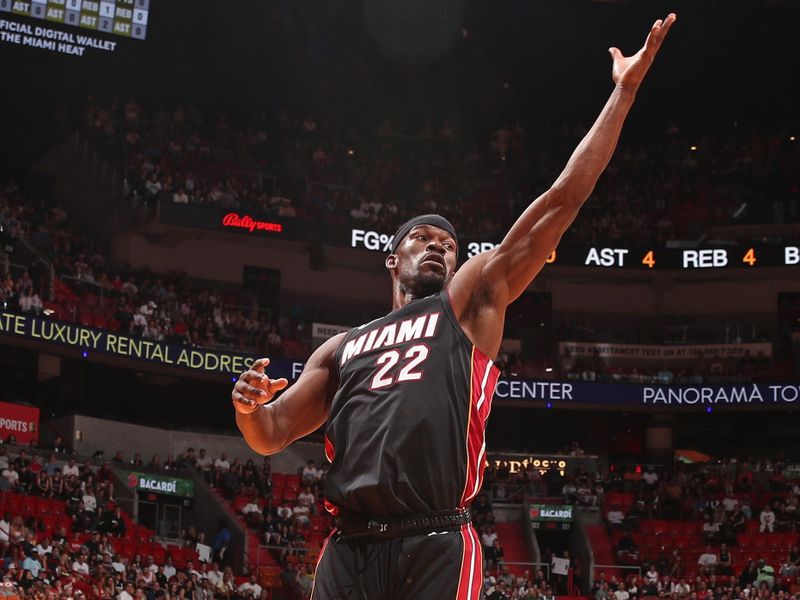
x=31 y=255
x=505 y=493
x=612 y=570
x=260 y=178
x=511 y=563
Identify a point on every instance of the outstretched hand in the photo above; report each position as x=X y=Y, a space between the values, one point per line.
x=255 y=388
x=629 y=71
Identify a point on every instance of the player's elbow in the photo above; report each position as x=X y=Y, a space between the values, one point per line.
x=263 y=446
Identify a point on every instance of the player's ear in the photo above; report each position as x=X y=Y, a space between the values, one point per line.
x=391 y=262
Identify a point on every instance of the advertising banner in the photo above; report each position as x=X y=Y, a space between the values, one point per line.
x=89 y=339
x=629 y=355
x=551 y=512
x=159 y=484
x=558 y=394
x=20 y=421
x=320 y=332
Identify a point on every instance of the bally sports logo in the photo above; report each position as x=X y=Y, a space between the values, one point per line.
x=234 y=221
x=17 y=426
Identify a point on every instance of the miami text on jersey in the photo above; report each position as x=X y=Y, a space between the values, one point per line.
x=391 y=335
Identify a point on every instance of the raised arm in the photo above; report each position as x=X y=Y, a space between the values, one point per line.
x=511 y=267
x=269 y=426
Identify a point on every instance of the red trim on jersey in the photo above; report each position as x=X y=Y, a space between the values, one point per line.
x=483 y=379
x=470 y=577
x=319 y=559
x=330 y=452
x=331 y=508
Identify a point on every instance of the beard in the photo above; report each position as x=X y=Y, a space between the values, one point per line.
x=420 y=284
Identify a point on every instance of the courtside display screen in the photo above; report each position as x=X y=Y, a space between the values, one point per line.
x=121 y=17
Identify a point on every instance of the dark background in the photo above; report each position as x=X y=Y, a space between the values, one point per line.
x=479 y=64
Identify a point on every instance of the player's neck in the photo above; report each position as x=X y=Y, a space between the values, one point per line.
x=401 y=297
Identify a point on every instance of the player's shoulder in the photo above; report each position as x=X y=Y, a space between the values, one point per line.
x=325 y=355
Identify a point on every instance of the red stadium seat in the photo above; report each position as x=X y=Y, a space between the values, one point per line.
x=681 y=541
x=646 y=527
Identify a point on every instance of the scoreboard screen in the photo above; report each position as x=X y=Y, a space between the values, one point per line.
x=686 y=259
x=121 y=17
x=655 y=258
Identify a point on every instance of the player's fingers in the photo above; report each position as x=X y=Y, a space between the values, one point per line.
x=249 y=391
x=243 y=404
x=260 y=364
x=666 y=26
x=276 y=385
x=253 y=377
x=615 y=53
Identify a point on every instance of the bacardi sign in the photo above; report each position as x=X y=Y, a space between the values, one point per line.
x=546 y=512
x=160 y=484
x=234 y=221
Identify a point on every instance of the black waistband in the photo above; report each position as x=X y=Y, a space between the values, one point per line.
x=360 y=526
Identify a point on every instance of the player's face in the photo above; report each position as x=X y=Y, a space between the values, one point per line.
x=426 y=260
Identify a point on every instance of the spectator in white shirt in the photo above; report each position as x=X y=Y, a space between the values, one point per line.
x=250 y=587
x=488 y=538
x=767 y=520
x=25 y=304
x=119 y=564
x=36 y=304
x=70 y=469
x=205 y=465
x=169 y=569
x=252 y=513
x=300 y=514
x=650 y=477
x=150 y=565
x=284 y=510
x=310 y=474
x=222 y=463
x=127 y=593
x=43 y=547
x=615 y=517
x=89 y=501
x=80 y=565
x=214 y=575
x=729 y=504
x=707 y=561
x=5 y=527
x=307 y=498
x=621 y=593
x=11 y=477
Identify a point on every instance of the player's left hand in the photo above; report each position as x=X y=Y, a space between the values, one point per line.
x=255 y=388
x=628 y=71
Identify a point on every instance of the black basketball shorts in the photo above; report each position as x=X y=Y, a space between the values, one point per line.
x=428 y=566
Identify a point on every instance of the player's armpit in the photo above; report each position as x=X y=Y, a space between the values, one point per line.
x=300 y=410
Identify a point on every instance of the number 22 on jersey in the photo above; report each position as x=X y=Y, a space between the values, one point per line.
x=387 y=374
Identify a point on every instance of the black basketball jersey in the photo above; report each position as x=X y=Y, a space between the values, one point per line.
x=405 y=432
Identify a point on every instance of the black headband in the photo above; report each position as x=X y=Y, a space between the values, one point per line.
x=434 y=220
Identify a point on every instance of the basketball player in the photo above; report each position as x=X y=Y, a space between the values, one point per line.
x=406 y=397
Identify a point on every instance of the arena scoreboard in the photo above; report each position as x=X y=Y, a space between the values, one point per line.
x=611 y=255
x=660 y=258
x=121 y=17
